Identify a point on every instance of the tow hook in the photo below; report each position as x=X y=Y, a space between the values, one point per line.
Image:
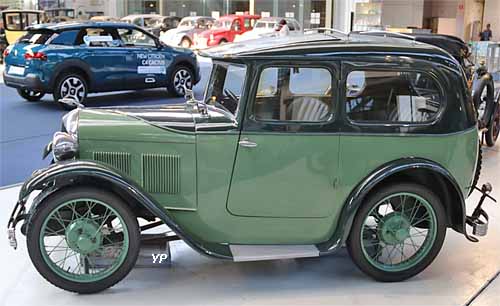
x=479 y=218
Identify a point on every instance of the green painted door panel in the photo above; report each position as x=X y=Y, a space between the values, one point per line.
x=285 y=176
x=212 y=221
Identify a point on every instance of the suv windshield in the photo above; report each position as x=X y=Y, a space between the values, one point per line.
x=226 y=86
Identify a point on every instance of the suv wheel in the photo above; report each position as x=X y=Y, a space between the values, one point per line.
x=83 y=239
x=31 y=95
x=73 y=86
x=182 y=76
x=398 y=232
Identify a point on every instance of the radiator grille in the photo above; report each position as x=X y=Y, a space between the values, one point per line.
x=161 y=173
x=118 y=160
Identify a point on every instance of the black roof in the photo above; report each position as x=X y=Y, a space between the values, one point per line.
x=322 y=45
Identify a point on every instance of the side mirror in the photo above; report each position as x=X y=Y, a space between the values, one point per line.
x=188 y=94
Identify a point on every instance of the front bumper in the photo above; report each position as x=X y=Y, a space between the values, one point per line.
x=30 y=81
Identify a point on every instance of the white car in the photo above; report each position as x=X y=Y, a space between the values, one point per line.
x=140 y=20
x=268 y=26
x=186 y=31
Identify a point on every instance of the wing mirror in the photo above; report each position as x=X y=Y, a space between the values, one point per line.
x=71 y=102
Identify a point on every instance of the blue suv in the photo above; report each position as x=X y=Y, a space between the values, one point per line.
x=71 y=60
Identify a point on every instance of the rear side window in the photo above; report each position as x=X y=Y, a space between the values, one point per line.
x=392 y=97
x=66 y=38
x=36 y=37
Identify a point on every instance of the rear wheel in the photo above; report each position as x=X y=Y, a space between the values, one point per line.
x=31 y=95
x=71 y=86
x=181 y=78
x=83 y=240
x=398 y=232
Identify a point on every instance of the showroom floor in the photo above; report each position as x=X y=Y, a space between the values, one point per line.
x=462 y=273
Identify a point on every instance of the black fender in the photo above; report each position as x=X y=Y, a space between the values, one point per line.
x=485 y=81
x=68 y=64
x=67 y=173
x=355 y=198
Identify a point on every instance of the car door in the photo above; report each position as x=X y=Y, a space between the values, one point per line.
x=101 y=49
x=147 y=61
x=287 y=157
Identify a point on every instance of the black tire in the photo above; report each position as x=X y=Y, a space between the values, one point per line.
x=53 y=201
x=61 y=91
x=186 y=43
x=222 y=41
x=31 y=95
x=175 y=85
x=484 y=85
x=354 y=241
x=493 y=131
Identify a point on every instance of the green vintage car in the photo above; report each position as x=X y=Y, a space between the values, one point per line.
x=301 y=146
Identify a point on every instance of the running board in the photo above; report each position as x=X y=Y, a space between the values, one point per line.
x=268 y=252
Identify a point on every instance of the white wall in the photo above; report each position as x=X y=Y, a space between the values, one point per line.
x=402 y=13
x=492 y=16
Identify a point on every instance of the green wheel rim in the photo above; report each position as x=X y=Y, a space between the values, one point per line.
x=398 y=232
x=84 y=240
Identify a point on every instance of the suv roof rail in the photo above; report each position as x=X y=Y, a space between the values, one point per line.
x=389 y=33
x=328 y=31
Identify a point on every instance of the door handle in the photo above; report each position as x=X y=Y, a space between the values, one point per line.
x=247 y=143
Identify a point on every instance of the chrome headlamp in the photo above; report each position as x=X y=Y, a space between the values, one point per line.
x=70 y=123
x=64 y=146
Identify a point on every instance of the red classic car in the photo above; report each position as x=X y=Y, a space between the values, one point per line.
x=224 y=30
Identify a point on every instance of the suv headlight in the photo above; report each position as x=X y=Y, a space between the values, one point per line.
x=64 y=146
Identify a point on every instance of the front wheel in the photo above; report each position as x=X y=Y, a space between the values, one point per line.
x=398 y=232
x=181 y=78
x=83 y=239
x=71 y=86
x=493 y=127
x=31 y=95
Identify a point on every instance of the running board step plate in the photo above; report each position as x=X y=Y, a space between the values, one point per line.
x=268 y=252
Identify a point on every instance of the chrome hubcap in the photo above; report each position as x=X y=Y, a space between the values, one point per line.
x=73 y=88
x=182 y=78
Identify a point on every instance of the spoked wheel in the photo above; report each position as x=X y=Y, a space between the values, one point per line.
x=398 y=232
x=83 y=240
x=31 y=95
x=484 y=100
x=182 y=77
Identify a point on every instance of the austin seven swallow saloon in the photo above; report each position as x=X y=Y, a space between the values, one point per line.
x=301 y=145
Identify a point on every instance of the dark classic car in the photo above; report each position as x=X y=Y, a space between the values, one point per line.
x=71 y=60
x=300 y=146
x=162 y=24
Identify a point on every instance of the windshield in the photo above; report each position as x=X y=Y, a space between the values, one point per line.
x=222 y=24
x=226 y=86
x=187 y=23
x=153 y=22
x=264 y=25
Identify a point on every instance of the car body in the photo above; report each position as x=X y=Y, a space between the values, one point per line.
x=270 y=26
x=295 y=144
x=16 y=22
x=225 y=30
x=162 y=24
x=103 y=18
x=185 y=33
x=99 y=57
x=140 y=20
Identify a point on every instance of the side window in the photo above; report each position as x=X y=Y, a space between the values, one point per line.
x=97 y=37
x=66 y=38
x=392 y=96
x=249 y=23
x=136 y=38
x=236 y=25
x=290 y=25
x=300 y=94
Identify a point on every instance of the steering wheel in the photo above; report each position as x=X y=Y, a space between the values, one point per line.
x=233 y=98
